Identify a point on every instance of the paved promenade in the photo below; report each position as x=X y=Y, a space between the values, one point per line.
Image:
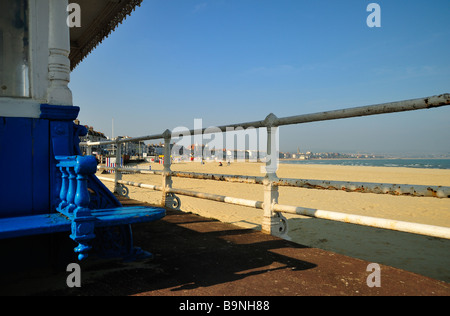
x=196 y=256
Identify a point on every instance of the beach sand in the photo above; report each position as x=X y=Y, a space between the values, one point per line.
x=420 y=254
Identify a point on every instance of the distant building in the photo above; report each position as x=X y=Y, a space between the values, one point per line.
x=155 y=150
x=133 y=148
x=92 y=136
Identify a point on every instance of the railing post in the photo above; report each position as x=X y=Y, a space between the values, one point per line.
x=117 y=173
x=273 y=222
x=167 y=198
x=88 y=150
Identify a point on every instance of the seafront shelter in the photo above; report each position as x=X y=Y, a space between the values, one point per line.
x=54 y=210
x=47 y=186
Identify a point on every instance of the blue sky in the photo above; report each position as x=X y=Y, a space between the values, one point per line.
x=231 y=61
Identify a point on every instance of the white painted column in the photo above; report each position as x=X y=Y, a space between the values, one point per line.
x=117 y=173
x=273 y=222
x=58 y=92
x=167 y=198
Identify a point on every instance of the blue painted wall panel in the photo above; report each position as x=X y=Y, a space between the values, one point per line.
x=24 y=166
x=41 y=164
x=15 y=167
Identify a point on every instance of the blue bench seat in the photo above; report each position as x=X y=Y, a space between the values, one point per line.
x=57 y=222
x=13 y=227
x=73 y=213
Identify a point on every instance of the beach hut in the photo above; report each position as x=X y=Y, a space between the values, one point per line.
x=47 y=186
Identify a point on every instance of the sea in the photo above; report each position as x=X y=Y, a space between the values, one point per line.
x=434 y=163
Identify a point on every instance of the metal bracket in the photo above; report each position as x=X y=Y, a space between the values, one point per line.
x=175 y=202
x=122 y=190
x=283 y=225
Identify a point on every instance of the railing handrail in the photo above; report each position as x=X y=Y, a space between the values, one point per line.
x=402 y=226
x=347 y=186
x=272 y=120
x=273 y=221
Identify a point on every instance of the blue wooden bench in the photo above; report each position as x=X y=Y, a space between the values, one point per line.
x=73 y=212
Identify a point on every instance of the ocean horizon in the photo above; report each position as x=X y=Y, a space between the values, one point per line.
x=427 y=163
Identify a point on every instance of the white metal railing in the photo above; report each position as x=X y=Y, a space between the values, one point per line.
x=273 y=221
x=363 y=187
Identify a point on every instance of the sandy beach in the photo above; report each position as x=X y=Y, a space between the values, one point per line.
x=421 y=254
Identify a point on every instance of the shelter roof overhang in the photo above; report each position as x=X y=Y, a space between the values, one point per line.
x=99 y=19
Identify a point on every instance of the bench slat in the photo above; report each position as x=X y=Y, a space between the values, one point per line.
x=52 y=223
x=33 y=225
x=127 y=215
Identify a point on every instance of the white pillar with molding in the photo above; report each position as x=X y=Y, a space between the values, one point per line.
x=58 y=92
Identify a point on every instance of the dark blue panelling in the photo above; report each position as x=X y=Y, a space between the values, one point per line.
x=41 y=165
x=16 y=194
x=24 y=166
